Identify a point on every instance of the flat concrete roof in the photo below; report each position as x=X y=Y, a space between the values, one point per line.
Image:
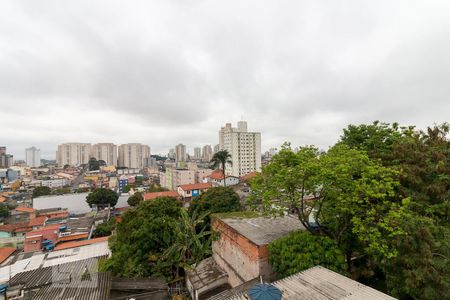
x=263 y=230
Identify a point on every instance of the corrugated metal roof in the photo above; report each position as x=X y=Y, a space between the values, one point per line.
x=97 y=289
x=319 y=283
x=56 y=274
x=53 y=258
x=263 y=230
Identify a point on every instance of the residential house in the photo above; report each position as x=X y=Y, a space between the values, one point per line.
x=240 y=254
x=189 y=191
x=21 y=214
x=34 y=239
x=217 y=179
x=151 y=196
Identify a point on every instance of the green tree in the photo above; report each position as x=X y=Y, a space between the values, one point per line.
x=220 y=159
x=128 y=187
x=41 y=191
x=135 y=199
x=4 y=211
x=93 y=164
x=421 y=157
x=302 y=250
x=141 y=238
x=156 y=188
x=191 y=245
x=341 y=194
x=102 y=198
x=216 y=200
x=105 y=229
x=421 y=270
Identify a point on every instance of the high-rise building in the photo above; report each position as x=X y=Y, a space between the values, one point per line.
x=6 y=160
x=171 y=154
x=106 y=152
x=73 y=154
x=244 y=147
x=133 y=155
x=216 y=148
x=197 y=153
x=33 y=157
x=180 y=153
x=207 y=153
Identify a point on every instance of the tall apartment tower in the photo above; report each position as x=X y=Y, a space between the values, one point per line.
x=73 y=154
x=133 y=155
x=197 y=152
x=244 y=147
x=207 y=153
x=106 y=152
x=180 y=153
x=33 y=157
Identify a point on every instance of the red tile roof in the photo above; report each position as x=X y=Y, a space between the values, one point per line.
x=13 y=227
x=80 y=243
x=249 y=176
x=41 y=230
x=38 y=221
x=6 y=252
x=24 y=229
x=218 y=175
x=2 y=199
x=150 y=196
x=74 y=237
x=195 y=186
x=25 y=209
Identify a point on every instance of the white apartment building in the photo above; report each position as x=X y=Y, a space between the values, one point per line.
x=73 y=154
x=207 y=153
x=244 y=147
x=173 y=178
x=33 y=157
x=133 y=155
x=197 y=152
x=106 y=152
x=180 y=153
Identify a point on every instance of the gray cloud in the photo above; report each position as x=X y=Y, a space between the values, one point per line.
x=164 y=72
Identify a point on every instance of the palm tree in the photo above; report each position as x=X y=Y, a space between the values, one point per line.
x=192 y=242
x=220 y=159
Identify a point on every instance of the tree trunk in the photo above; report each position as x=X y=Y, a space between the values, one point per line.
x=223 y=173
x=348 y=259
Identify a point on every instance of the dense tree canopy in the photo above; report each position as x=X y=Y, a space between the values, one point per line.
x=341 y=194
x=301 y=250
x=105 y=229
x=93 y=164
x=215 y=200
x=381 y=194
x=41 y=191
x=421 y=269
x=141 y=238
x=102 y=197
x=4 y=211
x=135 y=199
x=157 y=238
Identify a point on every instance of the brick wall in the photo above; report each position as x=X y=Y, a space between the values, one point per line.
x=238 y=256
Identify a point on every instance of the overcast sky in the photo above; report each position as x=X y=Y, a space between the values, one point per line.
x=165 y=72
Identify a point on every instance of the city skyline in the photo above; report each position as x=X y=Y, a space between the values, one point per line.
x=163 y=73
